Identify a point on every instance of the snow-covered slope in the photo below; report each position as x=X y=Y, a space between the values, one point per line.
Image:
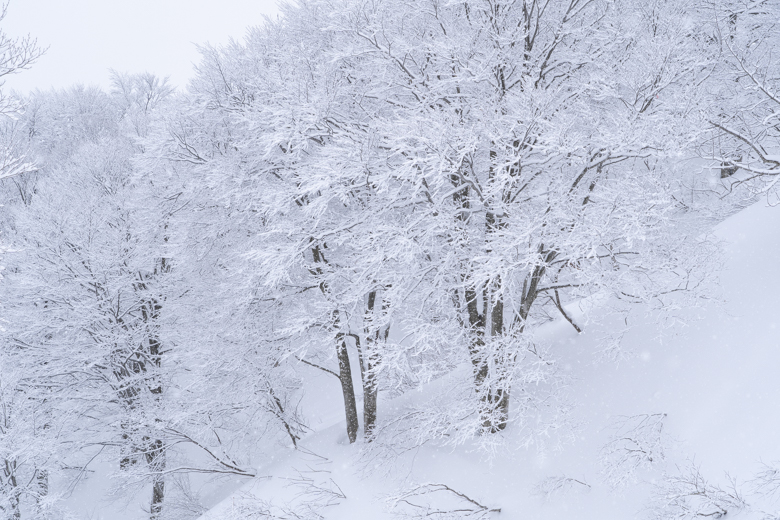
x=716 y=382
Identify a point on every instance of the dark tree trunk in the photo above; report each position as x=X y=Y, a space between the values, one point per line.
x=476 y=320
x=347 y=388
x=493 y=386
x=12 y=489
x=153 y=446
x=498 y=394
x=485 y=311
x=476 y=337
x=727 y=169
x=155 y=452
x=374 y=336
x=15 y=512
x=42 y=475
x=158 y=493
x=155 y=458
x=342 y=354
x=42 y=480
x=369 y=403
x=128 y=394
x=530 y=293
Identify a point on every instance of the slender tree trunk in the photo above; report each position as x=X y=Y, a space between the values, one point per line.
x=347 y=388
x=12 y=488
x=493 y=387
x=127 y=397
x=371 y=357
x=478 y=308
x=158 y=492
x=368 y=382
x=499 y=392
x=42 y=481
x=369 y=402
x=41 y=475
x=154 y=447
x=529 y=296
x=342 y=354
x=155 y=458
x=476 y=337
x=15 y=512
x=493 y=321
x=155 y=450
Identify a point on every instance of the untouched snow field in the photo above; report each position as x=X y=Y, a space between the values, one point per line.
x=715 y=380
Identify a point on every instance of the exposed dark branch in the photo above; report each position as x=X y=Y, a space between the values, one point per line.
x=557 y=302
x=317 y=366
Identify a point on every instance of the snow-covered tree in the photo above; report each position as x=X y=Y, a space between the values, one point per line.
x=79 y=303
x=453 y=171
x=744 y=142
x=519 y=154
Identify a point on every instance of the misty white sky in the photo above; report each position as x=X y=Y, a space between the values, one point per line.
x=87 y=37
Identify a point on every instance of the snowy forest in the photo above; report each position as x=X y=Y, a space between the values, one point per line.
x=412 y=259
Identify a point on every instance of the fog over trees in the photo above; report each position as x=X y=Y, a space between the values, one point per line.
x=388 y=198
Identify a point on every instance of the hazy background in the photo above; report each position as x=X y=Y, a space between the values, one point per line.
x=88 y=37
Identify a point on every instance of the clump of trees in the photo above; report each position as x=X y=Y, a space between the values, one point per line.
x=389 y=193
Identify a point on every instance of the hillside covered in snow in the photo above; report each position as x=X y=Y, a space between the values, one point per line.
x=683 y=427
x=417 y=259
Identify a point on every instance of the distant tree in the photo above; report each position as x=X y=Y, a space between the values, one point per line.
x=80 y=295
x=25 y=453
x=138 y=96
x=16 y=55
x=744 y=118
